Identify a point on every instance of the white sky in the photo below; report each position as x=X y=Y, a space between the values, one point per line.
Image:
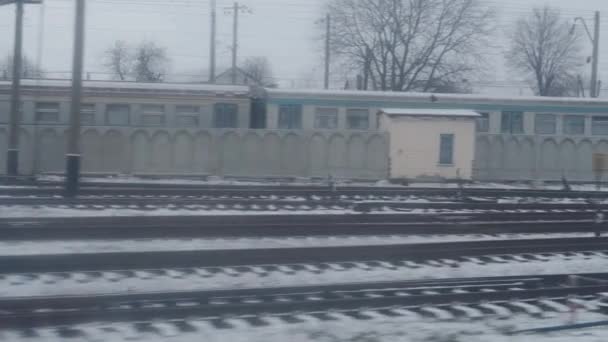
x=282 y=30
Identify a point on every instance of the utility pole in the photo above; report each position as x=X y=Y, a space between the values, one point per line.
x=73 y=148
x=12 y=153
x=596 y=53
x=595 y=41
x=235 y=34
x=213 y=42
x=327 y=46
x=12 y=157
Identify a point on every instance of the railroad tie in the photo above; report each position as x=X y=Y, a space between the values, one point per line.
x=126 y=330
x=200 y=325
x=440 y=314
x=497 y=309
x=553 y=305
x=468 y=311
x=166 y=329
x=528 y=308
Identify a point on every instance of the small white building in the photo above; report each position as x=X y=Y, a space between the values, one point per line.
x=430 y=143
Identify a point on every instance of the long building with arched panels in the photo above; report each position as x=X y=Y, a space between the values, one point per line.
x=517 y=138
x=181 y=129
x=194 y=129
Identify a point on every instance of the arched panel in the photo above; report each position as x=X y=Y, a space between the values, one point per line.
x=293 y=160
x=497 y=159
x=184 y=153
x=549 y=160
x=568 y=159
x=602 y=147
x=162 y=154
x=50 y=151
x=272 y=154
x=513 y=164
x=318 y=156
x=231 y=154
x=91 y=151
x=377 y=157
x=27 y=153
x=355 y=158
x=585 y=160
x=337 y=156
x=252 y=154
x=204 y=155
x=528 y=156
x=482 y=158
x=141 y=154
x=114 y=152
x=3 y=148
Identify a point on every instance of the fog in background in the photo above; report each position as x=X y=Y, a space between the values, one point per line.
x=283 y=30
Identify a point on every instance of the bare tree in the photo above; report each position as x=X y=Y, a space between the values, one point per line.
x=28 y=68
x=545 y=50
x=150 y=63
x=259 y=69
x=411 y=45
x=118 y=60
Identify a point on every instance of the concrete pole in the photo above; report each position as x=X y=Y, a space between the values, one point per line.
x=12 y=156
x=327 y=47
x=213 y=42
x=235 y=34
x=73 y=148
x=596 y=49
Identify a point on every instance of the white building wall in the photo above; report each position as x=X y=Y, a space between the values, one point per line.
x=414 y=146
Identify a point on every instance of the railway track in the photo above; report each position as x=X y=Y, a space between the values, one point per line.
x=440 y=299
x=390 y=256
x=92 y=202
x=116 y=227
x=257 y=191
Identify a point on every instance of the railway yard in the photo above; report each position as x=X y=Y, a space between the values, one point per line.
x=255 y=262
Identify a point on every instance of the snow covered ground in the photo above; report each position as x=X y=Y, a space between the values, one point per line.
x=377 y=328
x=34 y=212
x=84 y=283
x=157 y=245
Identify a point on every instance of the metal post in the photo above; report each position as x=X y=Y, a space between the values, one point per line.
x=73 y=148
x=12 y=156
x=235 y=28
x=327 y=46
x=596 y=48
x=212 y=44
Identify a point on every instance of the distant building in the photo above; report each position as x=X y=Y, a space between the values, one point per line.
x=242 y=77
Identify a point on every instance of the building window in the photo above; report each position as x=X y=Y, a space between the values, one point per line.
x=187 y=116
x=574 y=125
x=118 y=115
x=87 y=114
x=152 y=115
x=225 y=115
x=326 y=118
x=600 y=125
x=483 y=122
x=290 y=117
x=47 y=112
x=544 y=124
x=446 y=149
x=357 y=119
x=512 y=122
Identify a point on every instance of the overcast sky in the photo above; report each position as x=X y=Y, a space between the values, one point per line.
x=282 y=30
